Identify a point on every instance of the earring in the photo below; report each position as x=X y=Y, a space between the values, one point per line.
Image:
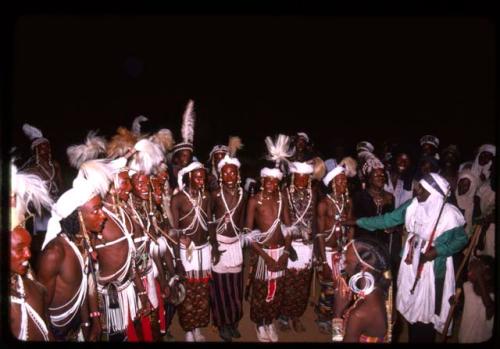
x=367 y=288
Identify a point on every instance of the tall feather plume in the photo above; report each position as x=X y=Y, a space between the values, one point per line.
x=147 y=158
x=120 y=143
x=93 y=147
x=29 y=189
x=32 y=132
x=136 y=125
x=188 y=119
x=99 y=173
x=280 y=150
x=164 y=139
x=234 y=145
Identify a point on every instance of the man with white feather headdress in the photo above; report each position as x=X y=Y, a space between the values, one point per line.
x=191 y=211
x=270 y=242
x=228 y=203
x=302 y=200
x=216 y=155
x=65 y=263
x=332 y=236
x=28 y=307
x=44 y=166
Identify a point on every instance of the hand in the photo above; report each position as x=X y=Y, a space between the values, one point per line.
x=95 y=330
x=282 y=261
x=429 y=255
x=342 y=296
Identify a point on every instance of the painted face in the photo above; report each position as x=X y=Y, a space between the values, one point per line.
x=340 y=183
x=198 y=179
x=270 y=184
x=402 y=163
x=420 y=193
x=229 y=175
x=124 y=186
x=20 y=250
x=428 y=149
x=485 y=157
x=162 y=177
x=301 y=144
x=183 y=157
x=463 y=186
x=157 y=189
x=93 y=215
x=218 y=156
x=140 y=185
x=301 y=180
x=43 y=150
x=377 y=178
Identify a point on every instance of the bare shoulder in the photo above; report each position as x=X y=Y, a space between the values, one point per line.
x=35 y=287
x=54 y=251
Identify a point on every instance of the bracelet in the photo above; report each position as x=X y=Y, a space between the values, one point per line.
x=337 y=330
x=85 y=324
x=95 y=314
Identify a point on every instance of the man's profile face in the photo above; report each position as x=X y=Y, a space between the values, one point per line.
x=485 y=157
x=229 y=175
x=43 y=150
x=300 y=180
x=463 y=186
x=420 y=193
x=163 y=176
x=140 y=185
x=198 y=179
x=428 y=149
x=20 y=250
x=218 y=156
x=183 y=157
x=93 y=215
x=124 y=186
x=340 y=183
x=157 y=189
x=270 y=184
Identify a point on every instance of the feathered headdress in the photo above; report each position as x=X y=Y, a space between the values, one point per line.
x=371 y=163
x=164 y=139
x=120 y=143
x=93 y=147
x=147 y=158
x=136 y=125
x=234 y=145
x=98 y=174
x=350 y=166
x=34 y=134
x=187 y=128
x=280 y=150
x=27 y=189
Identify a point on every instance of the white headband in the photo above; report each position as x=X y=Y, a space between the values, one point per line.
x=301 y=167
x=271 y=172
x=434 y=183
x=332 y=174
x=304 y=135
x=227 y=160
x=430 y=139
x=490 y=148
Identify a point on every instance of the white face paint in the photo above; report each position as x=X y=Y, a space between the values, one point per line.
x=25 y=264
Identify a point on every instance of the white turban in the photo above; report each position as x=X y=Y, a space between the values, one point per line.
x=429 y=139
x=365 y=146
x=332 y=174
x=301 y=167
x=271 y=172
x=227 y=160
x=304 y=135
x=435 y=183
x=69 y=201
x=490 y=148
x=191 y=167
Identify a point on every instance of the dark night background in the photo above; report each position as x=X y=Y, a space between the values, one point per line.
x=340 y=79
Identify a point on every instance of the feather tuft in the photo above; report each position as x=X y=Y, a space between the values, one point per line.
x=350 y=166
x=136 y=125
x=188 y=120
x=99 y=173
x=32 y=132
x=234 y=145
x=29 y=189
x=164 y=139
x=147 y=158
x=120 y=143
x=280 y=150
x=93 y=147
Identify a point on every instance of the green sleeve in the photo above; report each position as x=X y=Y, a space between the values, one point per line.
x=447 y=244
x=388 y=220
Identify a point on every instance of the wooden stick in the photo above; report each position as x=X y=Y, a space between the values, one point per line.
x=458 y=292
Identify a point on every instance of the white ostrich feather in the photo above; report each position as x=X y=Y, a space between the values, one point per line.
x=370 y=164
x=99 y=173
x=234 y=145
x=164 y=139
x=93 y=147
x=136 y=125
x=350 y=166
x=280 y=150
x=32 y=132
x=29 y=188
x=188 y=119
x=148 y=157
